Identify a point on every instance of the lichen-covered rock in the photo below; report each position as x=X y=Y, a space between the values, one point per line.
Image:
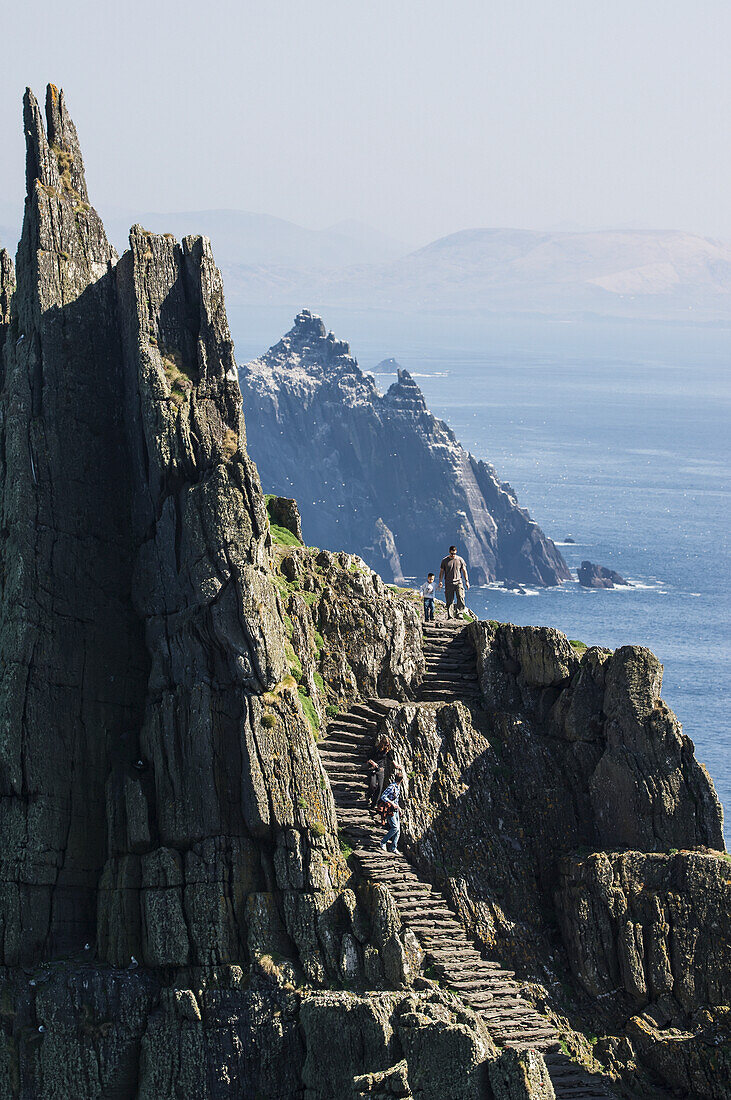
x=7 y=288
x=73 y=670
x=640 y=781
x=521 y=1075
x=383 y=1085
x=354 y=1044
x=352 y=636
x=656 y=926
x=695 y=1059
x=320 y=431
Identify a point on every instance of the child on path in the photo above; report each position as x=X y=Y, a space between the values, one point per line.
x=390 y=803
x=428 y=591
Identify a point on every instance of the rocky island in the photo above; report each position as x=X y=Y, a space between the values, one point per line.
x=193 y=901
x=377 y=474
x=598 y=576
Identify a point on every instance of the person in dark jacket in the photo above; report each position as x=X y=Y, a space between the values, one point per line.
x=377 y=766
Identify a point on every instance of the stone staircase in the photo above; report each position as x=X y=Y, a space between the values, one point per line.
x=450 y=664
x=485 y=985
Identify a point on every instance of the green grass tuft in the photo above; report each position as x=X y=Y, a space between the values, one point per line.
x=345 y=847
x=282 y=536
x=269 y=721
x=311 y=714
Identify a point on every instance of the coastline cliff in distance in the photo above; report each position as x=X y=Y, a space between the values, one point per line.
x=377 y=473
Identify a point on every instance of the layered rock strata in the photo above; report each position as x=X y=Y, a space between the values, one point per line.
x=377 y=474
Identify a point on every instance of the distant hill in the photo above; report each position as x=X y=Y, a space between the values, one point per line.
x=259 y=239
x=615 y=273
x=241 y=237
x=656 y=274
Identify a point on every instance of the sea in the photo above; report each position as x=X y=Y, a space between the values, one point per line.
x=616 y=436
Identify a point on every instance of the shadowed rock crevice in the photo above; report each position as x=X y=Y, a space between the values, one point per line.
x=73 y=668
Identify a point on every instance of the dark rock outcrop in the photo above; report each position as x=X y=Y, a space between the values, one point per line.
x=378 y=474
x=640 y=922
x=641 y=785
x=598 y=576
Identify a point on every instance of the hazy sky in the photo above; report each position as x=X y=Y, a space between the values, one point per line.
x=420 y=117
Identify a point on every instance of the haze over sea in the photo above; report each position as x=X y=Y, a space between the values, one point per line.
x=614 y=433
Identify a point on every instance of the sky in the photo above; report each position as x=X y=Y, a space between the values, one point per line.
x=418 y=117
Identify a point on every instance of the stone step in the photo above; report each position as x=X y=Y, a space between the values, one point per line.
x=440 y=695
x=444 y=683
x=358 y=752
x=349 y=721
x=477 y=982
x=450 y=664
x=345 y=766
x=421 y=912
x=449 y=649
x=344 y=751
x=373 y=712
x=348 y=736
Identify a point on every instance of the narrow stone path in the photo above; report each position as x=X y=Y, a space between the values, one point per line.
x=489 y=988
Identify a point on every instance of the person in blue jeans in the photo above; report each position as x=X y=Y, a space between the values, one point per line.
x=428 y=593
x=390 y=799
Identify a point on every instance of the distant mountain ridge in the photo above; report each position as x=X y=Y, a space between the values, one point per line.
x=377 y=473
x=652 y=274
x=239 y=236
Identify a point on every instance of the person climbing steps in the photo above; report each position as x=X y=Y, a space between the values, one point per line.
x=390 y=809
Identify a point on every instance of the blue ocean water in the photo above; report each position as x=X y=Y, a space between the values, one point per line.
x=616 y=434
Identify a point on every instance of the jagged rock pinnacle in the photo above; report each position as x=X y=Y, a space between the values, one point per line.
x=380 y=474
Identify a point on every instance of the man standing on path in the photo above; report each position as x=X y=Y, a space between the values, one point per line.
x=450 y=572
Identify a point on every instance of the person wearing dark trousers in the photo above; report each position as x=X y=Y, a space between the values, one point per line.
x=428 y=592
x=377 y=772
x=451 y=571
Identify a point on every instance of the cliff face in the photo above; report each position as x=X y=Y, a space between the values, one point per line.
x=174 y=901
x=378 y=474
